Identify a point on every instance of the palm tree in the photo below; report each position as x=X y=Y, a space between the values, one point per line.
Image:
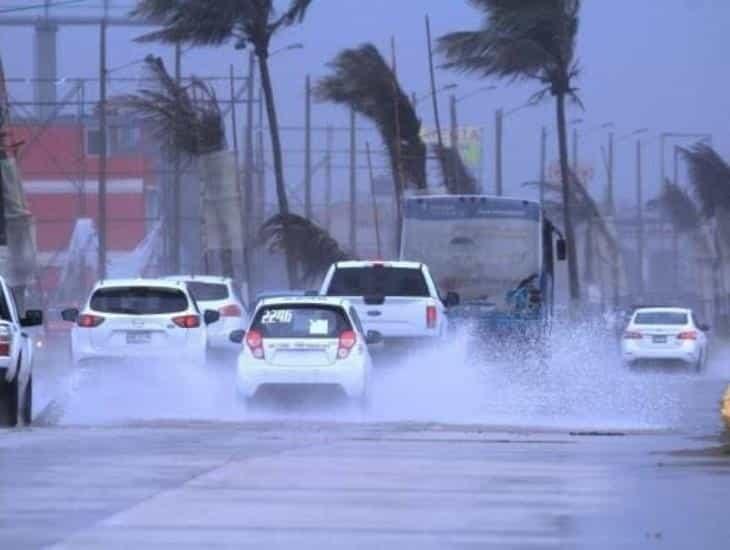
x=315 y=249
x=709 y=176
x=362 y=80
x=456 y=175
x=215 y=22
x=527 y=40
x=679 y=206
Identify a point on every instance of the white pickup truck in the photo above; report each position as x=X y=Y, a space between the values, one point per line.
x=399 y=300
x=16 y=360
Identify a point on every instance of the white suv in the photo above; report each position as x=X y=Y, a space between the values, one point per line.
x=304 y=341
x=665 y=334
x=144 y=319
x=218 y=294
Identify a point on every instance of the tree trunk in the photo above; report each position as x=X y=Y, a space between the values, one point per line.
x=278 y=165
x=573 y=281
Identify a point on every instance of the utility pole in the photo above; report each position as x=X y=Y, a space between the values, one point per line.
x=248 y=193
x=454 y=131
x=261 y=164
x=498 y=115
x=398 y=178
x=543 y=160
x=101 y=196
x=177 y=183
x=374 y=200
x=353 y=183
x=609 y=177
x=575 y=151
x=435 y=102
x=308 y=149
x=640 y=218
x=328 y=179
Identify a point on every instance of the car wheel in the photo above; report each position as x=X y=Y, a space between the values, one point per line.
x=8 y=402
x=28 y=403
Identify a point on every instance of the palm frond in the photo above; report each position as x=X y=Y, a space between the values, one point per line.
x=314 y=248
x=529 y=39
x=457 y=177
x=185 y=119
x=362 y=80
x=198 y=22
x=709 y=175
x=678 y=205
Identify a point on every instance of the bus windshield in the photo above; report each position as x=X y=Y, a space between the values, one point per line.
x=480 y=247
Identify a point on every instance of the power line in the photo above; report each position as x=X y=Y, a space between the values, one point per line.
x=59 y=3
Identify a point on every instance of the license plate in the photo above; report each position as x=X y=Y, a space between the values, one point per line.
x=138 y=337
x=659 y=339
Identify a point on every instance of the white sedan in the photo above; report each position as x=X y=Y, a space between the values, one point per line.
x=665 y=334
x=305 y=341
x=139 y=319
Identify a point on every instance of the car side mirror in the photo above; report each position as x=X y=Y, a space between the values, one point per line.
x=210 y=316
x=452 y=299
x=33 y=318
x=704 y=327
x=70 y=314
x=561 y=250
x=373 y=337
x=237 y=336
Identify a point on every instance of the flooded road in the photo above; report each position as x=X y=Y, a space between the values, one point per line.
x=455 y=453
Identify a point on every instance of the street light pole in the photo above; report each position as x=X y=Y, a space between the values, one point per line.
x=543 y=160
x=101 y=196
x=640 y=218
x=308 y=149
x=498 y=116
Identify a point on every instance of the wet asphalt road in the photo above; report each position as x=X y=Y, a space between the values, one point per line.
x=313 y=482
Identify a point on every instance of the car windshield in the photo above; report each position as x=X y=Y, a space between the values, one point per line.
x=203 y=292
x=301 y=321
x=378 y=281
x=139 y=300
x=660 y=318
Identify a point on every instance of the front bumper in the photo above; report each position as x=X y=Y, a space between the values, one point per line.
x=251 y=376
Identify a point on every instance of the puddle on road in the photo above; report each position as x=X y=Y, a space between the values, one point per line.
x=582 y=385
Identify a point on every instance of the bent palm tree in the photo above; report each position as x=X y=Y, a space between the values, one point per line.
x=362 y=80
x=680 y=207
x=527 y=40
x=214 y=22
x=315 y=249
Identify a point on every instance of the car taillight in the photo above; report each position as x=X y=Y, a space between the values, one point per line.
x=632 y=335
x=348 y=339
x=687 y=335
x=255 y=342
x=89 y=321
x=431 y=316
x=4 y=342
x=187 y=321
x=231 y=310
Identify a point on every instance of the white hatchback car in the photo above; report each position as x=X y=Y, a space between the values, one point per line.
x=305 y=341
x=218 y=294
x=665 y=334
x=145 y=319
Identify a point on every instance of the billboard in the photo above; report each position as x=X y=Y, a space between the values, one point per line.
x=470 y=140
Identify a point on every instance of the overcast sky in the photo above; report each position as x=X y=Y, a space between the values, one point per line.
x=656 y=64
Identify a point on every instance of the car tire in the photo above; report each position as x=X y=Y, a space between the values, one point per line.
x=8 y=402
x=28 y=403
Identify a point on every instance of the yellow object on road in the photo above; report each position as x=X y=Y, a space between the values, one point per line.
x=726 y=407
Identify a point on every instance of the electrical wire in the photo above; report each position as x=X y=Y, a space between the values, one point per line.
x=56 y=4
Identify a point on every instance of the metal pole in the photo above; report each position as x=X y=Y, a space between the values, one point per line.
x=543 y=160
x=353 y=183
x=454 y=132
x=248 y=193
x=81 y=160
x=609 y=187
x=498 y=152
x=101 y=196
x=177 y=184
x=328 y=179
x=434 y=100
x=374 y=200
x=640 y=219
x=308 y=149
x=675 y=233
x=261 y=164
x=575 y=151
